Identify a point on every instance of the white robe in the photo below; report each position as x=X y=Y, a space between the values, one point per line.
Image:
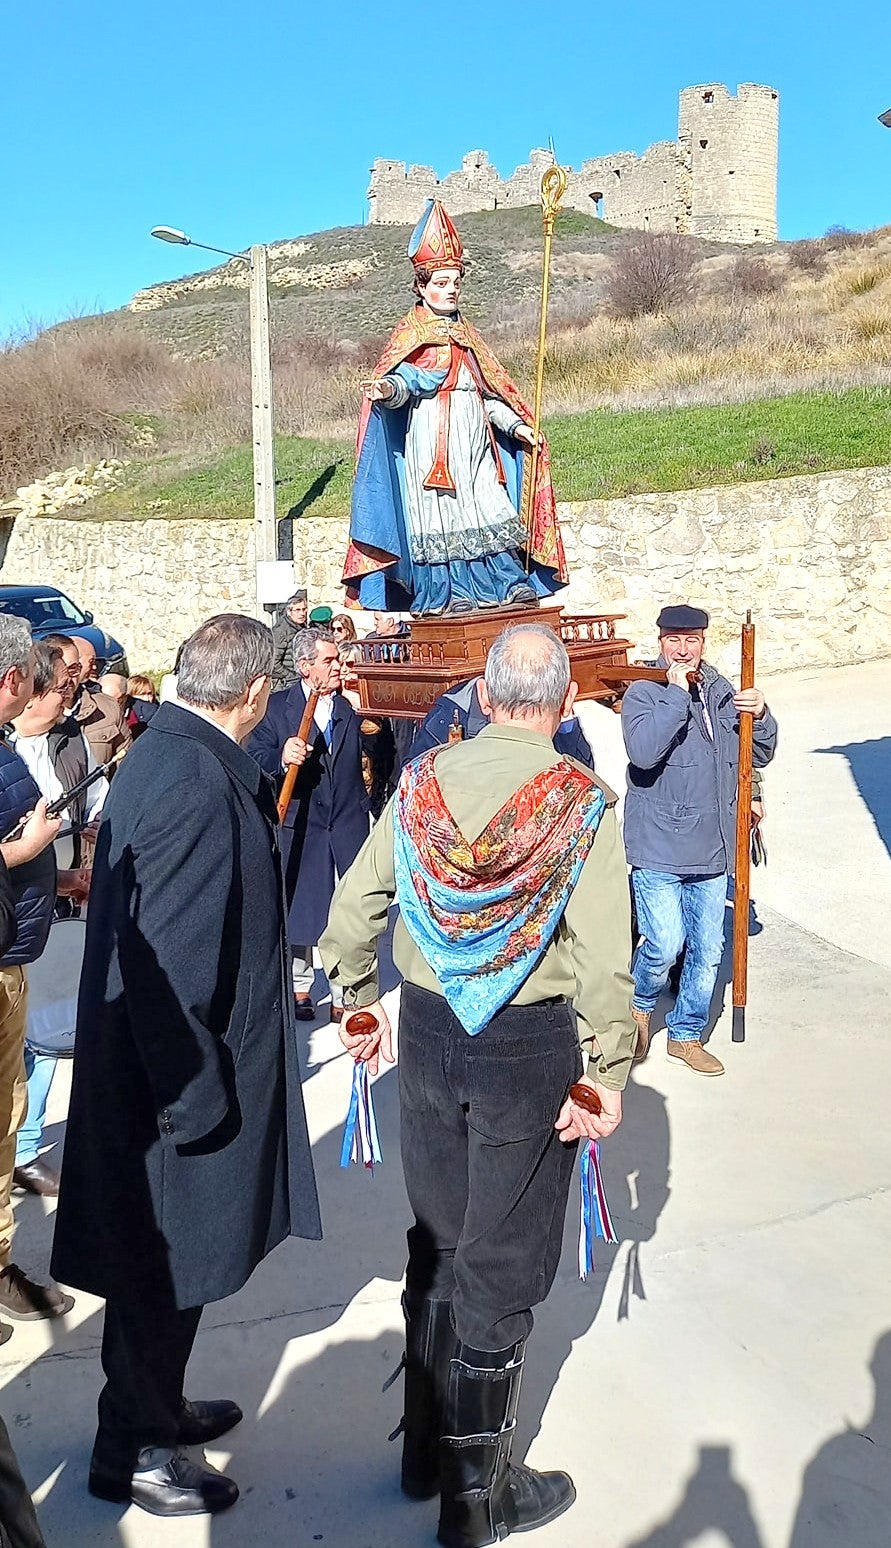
x=478 y=518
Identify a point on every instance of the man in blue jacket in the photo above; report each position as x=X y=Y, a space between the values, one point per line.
x=460 y=709
x=32 y=865
x=682 y=742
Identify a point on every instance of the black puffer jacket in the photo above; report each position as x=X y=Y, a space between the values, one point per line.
x=33 y=884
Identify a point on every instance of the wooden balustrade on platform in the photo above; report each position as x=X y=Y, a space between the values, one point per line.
x=403 y=676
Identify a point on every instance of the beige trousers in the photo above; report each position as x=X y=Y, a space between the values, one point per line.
x=13 y=1090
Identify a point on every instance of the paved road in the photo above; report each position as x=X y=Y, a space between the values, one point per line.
x=725 y=1377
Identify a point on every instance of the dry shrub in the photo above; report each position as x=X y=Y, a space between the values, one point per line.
x=64 y=395
x=808 y=257
x=862 y=281
x=838 y=239
x=651 y=273
x=871 y=325
x=748 y=277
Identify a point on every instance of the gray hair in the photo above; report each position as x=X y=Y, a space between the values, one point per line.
x=15 y=643
x=222 y=658
x=305 y=642
x=45 y=658
x=527 y=669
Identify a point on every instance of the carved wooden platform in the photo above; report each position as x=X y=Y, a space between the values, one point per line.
x=403 y=676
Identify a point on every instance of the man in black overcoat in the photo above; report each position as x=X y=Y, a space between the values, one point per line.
x=327 y=822
x=187 y=1158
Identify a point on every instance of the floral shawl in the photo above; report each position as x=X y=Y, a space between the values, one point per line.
x=483 y=914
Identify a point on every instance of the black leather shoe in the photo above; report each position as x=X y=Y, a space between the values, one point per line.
x=304 y=1010
x=534 y=1499
x=174 y=1487
x=37 y=1177
x=202 y=1423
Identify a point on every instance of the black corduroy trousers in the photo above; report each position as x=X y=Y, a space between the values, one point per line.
x=487 y=1176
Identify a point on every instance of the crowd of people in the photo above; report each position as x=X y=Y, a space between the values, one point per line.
x=522 y=1008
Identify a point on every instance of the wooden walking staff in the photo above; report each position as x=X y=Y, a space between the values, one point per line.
x=553 y=187
x=743 y=841
x=293 y=769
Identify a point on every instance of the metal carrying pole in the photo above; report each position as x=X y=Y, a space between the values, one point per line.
x=743 y=841
x=553 y=187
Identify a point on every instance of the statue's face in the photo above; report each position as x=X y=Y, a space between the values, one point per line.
x=442 y=290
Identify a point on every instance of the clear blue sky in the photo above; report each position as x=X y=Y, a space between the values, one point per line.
x=245 y=123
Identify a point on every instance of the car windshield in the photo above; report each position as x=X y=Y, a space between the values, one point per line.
x=42 y=609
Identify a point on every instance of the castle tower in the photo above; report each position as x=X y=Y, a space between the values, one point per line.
x=731 y=146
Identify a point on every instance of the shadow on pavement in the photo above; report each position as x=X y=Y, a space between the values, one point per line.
x=870 y=765
x=713 y=1502
x=846 y=1489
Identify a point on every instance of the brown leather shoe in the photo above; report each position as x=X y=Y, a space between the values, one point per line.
x=23 y=1298
x=696 y=1058
x=336 y=1013
x=36 y=1177
x=642 y=1020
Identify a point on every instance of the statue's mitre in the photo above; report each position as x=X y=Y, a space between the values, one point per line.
x=434 y=241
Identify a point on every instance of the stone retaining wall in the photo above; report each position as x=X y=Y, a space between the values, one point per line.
x=810 y=556
x=149 y=583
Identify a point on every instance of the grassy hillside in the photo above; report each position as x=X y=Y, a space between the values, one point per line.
x=750 y=364
x=596 y=455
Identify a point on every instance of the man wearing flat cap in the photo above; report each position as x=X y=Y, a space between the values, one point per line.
x=682 y=742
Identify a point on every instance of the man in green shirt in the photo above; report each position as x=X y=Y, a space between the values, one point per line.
x=514 y=942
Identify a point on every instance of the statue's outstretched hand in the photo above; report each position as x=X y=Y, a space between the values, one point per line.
x=379 y=391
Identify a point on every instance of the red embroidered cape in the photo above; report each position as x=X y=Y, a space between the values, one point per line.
x=424 y=339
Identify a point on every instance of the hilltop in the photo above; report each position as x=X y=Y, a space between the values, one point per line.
x=352 y=282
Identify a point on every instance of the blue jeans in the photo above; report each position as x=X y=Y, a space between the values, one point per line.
x=39 y=1069
x=673 y=912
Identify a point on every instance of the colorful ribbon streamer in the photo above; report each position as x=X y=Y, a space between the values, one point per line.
x=360 y=1137
x=596 y=1220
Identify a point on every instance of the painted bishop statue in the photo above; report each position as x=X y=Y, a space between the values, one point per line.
x=443 y=437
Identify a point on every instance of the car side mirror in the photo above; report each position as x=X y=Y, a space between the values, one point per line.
x=88 y=617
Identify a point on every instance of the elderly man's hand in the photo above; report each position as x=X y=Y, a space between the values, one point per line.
x=574 y=1122
x=294 y=751
x=365 y=1046
x=750 y=701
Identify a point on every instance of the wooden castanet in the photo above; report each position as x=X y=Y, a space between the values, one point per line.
x=360 y=1024
x=290 y=780
x=584 y=1097
x=743 y=841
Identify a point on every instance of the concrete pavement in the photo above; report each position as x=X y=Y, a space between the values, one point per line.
x=724 y=1377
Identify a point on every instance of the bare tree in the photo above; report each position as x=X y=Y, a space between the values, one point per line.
x=652 y=272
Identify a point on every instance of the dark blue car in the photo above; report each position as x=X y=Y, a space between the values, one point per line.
x=49 y=611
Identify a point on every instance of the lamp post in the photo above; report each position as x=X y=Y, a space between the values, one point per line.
x=885 y=118
x=265 y=532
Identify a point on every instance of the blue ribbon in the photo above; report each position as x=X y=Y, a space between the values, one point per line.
x=596 y=1220
x=360 y=1136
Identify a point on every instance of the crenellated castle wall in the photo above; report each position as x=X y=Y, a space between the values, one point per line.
x=718 y=179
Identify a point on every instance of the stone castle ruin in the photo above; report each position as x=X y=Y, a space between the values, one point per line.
x=717 y=180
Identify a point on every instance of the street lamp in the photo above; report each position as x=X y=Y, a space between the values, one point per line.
x=885 y=118
x=269 y=580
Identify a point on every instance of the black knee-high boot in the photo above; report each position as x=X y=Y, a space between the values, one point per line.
x=484 y=1498
x=430 y=1343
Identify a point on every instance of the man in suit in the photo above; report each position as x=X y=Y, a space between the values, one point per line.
x=186 y=1038
x=326 y=823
